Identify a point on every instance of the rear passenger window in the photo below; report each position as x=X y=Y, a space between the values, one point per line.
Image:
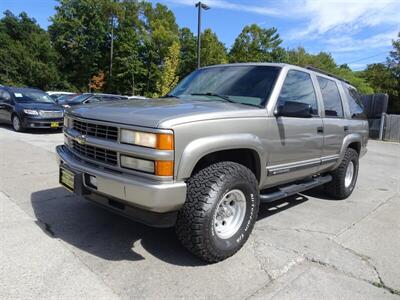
x=331 y=97
x=298 y=87
x=355 y=105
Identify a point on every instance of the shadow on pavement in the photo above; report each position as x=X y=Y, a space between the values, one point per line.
x=109 y=236
x=33 y=131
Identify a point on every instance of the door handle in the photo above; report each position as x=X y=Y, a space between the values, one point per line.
x=320 y=129
x=346 y=128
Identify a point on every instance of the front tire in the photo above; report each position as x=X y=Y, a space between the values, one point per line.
x=220 y=211
x=344 y=177
x=16 y=124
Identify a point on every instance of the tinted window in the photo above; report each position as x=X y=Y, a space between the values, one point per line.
x=330 y=94
x=4 y=95
x=355 y=105
x=242 y=84
x=298 y=87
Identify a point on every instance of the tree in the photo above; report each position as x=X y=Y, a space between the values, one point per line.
x=212 y=51
x=168 y=79
x=160 y=32
x=255 y=44
x=188 y=53
x=79 y=34
x=26 y=54
x=128 y=67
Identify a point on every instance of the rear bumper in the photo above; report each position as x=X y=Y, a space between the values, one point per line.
x=28 y=122
x=142 y=199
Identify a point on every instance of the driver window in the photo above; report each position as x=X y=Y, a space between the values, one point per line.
x=4 y=95
x=298 y=87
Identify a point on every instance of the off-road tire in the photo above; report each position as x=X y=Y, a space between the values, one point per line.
x=336 y=188
x=19 y=128
x=195 y=223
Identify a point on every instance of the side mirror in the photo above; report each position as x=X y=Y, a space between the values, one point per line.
x=294 y=109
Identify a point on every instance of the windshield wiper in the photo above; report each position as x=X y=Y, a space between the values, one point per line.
x=170 y=96
x=226 y=98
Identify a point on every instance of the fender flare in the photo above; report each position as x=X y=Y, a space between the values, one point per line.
x=348 y=139
x=201 y=147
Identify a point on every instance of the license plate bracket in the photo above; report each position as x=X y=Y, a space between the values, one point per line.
x=54 y=124
x=67 y=179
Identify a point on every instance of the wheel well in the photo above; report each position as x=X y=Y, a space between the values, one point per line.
x=356 y=146
x=246 y=157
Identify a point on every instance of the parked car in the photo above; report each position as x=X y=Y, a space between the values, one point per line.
x=136 y=98
x=224 y=140
x=86 y=98
x=55 y=94
x=64 y=98
x=29 y=108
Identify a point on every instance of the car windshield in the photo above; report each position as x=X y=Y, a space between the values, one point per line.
x=79 y=98
x=32 y=96
x=245 y=84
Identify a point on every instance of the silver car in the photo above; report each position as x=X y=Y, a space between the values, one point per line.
x=225 y=139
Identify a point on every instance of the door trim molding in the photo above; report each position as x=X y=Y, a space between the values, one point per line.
x=300 y=165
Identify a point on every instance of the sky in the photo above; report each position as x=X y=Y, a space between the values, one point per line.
x=356 y=32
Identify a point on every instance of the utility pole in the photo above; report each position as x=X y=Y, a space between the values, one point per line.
x=200 y=6
x=112 y=46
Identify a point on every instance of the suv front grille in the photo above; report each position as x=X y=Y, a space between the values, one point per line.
x=50 y=114
x=96 y=153
x=96 y=130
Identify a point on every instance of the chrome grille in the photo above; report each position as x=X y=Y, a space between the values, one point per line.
x=96 y=153
x=96 y=130
x=50 y=114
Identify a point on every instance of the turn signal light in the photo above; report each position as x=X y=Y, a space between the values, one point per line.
x=164 y=168
x=165 y=141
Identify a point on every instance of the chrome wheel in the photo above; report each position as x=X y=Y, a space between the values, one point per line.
x=348 y=179
x=16 y=123
x=230 y=214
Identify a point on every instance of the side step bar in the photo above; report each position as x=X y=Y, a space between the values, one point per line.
x=291 y=189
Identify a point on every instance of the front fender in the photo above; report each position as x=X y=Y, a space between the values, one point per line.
x=199 y=148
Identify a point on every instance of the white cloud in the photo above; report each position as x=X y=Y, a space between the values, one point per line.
x=341 y=16
x=350 y=44
x=261 y=10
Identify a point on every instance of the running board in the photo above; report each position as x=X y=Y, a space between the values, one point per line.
x=292 y=189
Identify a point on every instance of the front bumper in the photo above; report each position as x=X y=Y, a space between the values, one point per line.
x=142 y=199
x=30 y=122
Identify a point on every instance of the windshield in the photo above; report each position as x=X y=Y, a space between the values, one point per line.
x=32 y=96
x=79 y=98
x=241 y=84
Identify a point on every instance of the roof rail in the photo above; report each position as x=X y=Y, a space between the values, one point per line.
x=326 y=73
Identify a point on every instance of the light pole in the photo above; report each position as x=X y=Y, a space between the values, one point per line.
x=200 y=6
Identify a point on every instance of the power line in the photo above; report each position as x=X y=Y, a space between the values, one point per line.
x=361 y=59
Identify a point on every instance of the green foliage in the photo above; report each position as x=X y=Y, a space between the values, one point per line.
x=385 y=78
x=188 y=53
x=150 y=52
x=26 y=54
x=168 y=79
x=213 y=52
x=255 y=44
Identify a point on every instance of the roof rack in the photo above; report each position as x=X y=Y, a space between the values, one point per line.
x=326 y=73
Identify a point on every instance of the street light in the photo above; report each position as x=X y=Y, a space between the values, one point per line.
x=200 y=6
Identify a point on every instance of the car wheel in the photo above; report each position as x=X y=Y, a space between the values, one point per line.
x=220 y=211
x=16 y=123
x=344 y=177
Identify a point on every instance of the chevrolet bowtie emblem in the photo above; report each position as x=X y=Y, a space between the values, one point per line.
x=81 y=139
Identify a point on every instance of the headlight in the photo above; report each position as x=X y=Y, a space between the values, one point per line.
x=66 y=106
x=137 y=164
x=66 y=122
x=31 y=112
x=159 y=141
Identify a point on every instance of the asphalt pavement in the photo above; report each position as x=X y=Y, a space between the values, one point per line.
x=56 y=245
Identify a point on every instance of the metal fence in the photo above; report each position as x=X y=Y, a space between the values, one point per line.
x=390 y=128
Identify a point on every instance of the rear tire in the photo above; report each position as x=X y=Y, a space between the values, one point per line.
x=16 y=124
x=220 y=211
x=344 y=177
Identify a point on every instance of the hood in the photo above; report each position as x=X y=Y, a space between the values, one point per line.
x=156 y=112
x=39 y=106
